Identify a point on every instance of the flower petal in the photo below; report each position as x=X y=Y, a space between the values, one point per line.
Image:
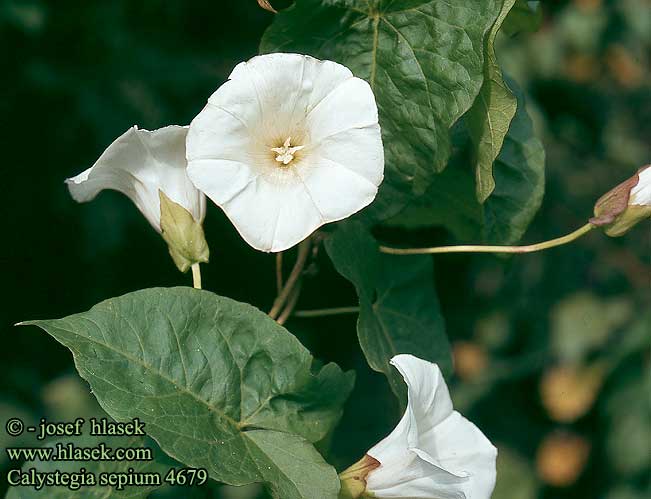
x=275 y=91
x=429 y=398
x=433 y=453
x=414 y=478
x=139 y=163
x=429 y=404
x=641 y=193
x=290 y=86
x=393 y=450
x=459 y=447
x=219 y=134
x=271 y=213
x=359 y=149
x=335 y=190
x=350 y=105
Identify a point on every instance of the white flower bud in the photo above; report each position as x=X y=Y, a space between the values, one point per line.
x=624 y=206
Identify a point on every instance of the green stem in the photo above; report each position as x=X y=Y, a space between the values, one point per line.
x=291 y=303
x=491 y=249
x=323 y=312
x=196 y=276
x=301 y=260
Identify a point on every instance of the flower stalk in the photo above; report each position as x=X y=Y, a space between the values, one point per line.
x=325 y=312
x=292 y=280
x=616 y=212
x=531 y=248
x=196 y=276
x=291 y=303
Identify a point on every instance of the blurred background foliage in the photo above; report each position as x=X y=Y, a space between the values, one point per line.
x=551 y=350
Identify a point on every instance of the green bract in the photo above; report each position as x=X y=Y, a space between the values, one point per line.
x=218 y=384
x=183 y=234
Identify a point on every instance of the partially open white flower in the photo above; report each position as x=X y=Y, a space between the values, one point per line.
x=288 y=144
x=138 y=164
x=434 y=452
x=151 y=169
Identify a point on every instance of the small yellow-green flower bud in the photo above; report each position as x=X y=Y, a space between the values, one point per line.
x=182 y=233
x=353 y=480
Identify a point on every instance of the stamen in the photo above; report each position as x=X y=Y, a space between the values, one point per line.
x=285 y=154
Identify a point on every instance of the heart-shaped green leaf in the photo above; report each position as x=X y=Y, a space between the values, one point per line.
x=399 y=309
x=218 y=383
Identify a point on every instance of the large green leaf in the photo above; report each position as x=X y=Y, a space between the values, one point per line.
x=450 y=201
x=160 y=465
x=218 y=383
x=489 y=118
x=399 y=309
x=424 y=60
x=519 y=180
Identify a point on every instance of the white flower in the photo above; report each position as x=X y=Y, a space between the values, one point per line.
x=139 y=164
x=641 y=193
x=288 y=144
x=434 y=452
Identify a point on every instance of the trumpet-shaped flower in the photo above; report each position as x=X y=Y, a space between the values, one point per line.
x=151 y=169
x=433 y=453
x=622 y=207
x=287 y=144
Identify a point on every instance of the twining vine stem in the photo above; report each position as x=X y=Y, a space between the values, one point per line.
x=491 y=249
x=292 y=280
x=196 y=276
x=323 y=312
x=291 y=303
